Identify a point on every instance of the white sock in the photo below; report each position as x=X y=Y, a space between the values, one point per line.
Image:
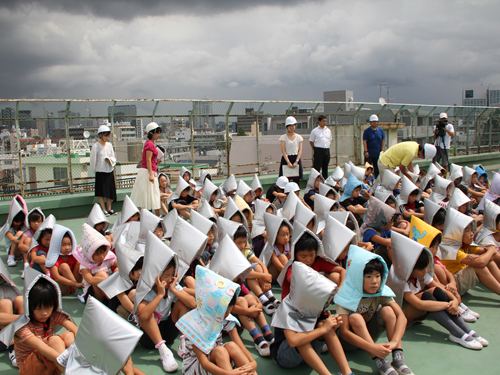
x=26 y=265
x=263 y=298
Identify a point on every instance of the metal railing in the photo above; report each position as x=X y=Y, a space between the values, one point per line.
x=45 y=144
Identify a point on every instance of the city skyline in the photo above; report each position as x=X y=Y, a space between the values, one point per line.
x=293 y=50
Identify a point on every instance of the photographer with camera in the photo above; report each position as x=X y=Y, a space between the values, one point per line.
x=443 y=133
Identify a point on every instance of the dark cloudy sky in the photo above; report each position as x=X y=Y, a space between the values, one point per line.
x=235 y=49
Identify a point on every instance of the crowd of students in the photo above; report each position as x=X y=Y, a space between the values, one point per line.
x=382 y=253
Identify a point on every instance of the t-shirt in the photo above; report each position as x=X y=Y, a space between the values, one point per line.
x=308 y=200
x=370 y=233
x=447 y=138
x=291 y=147
x=269 y=193
x=402 y=153
x=417 y=287
x=248 y=253
x=373 y=139
x=34 y=329
x=71 y=262
x=38 y=250
x=415 y=206
x=456 y=265
x=488 y=241
x=150 y=146
x=367 y=307
x=354 y=202
x=437 y=262
x=164 y=308
x=105 y=266
x=319 y=265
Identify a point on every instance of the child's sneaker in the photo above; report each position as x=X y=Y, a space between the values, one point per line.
x=475 y=336
x=263 y=349
x=11 y=262
x=79 y=294
x=168 y=361
x=462 y=306
x=472 y=344
x=398 y=363
x=384 y=367
x=12 y=357
x=181 y=351
x=269 y=308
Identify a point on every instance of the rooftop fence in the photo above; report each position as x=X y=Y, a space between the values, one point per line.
x=45 y=144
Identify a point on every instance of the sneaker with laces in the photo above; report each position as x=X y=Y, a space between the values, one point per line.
x=181 y=351
x=168 y=361
x=11 y=262
x=12 y=357
x=473 y=344
x=270 y=309
x=263 y=349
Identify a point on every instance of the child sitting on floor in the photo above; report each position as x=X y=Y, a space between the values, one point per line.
x=63 y=266
x=351 y=199
x=35 y=218
x=100 y=223
x=368 y=180
x=39 y=247
x=367 y=308
x=409 y=200
x=205 y=351
x=14 y=228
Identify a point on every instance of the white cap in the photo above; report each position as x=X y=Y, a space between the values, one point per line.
x=373 y=118
x=151 y=126
x=291 y=186
x=429 y=151
x=103 y=129
x=290 y=120
x=443 y=115
x=281 y=182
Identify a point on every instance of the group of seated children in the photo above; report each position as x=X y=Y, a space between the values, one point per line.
x=353 y=258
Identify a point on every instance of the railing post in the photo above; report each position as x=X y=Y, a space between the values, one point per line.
x=228 y=167
x=70 y=169
x=192 y=136
x=19 y=151
x=489 y=137
x=257 y=137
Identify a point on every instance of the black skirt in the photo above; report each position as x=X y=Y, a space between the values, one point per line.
x=292 y=159
x=105 y=185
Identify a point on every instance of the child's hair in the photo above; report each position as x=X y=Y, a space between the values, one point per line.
x=497 y=220
x=462 y=188
x=436 y=240
x=241 y=232
x=350 y=224
x=43 y=233
x=102 y=248
x=213 y=220
x=67 y=235
x=374 y=265
x=159 y=226
x=34 y=216
x=233 y=301
x=439 y=217
x=414 y=192
x=170 y=264
x=19 y=218
x=389 y=201
x=306 y=243
x=138 y=265
x=422 y=261
x=42 y=294
x=237 y=213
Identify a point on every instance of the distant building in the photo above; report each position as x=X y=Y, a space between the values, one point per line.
x=481 y=96
x=176 y=123
x=201 y=112
x=344 y=96
x=250 y=119
x=122 y=112
x=139 y=127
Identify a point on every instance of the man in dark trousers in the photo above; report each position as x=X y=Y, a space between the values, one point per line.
x=320 y=140
x=373 y=143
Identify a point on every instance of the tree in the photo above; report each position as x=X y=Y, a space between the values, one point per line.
x=241 y=132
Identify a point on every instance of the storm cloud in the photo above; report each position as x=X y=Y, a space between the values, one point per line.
x=290 y=50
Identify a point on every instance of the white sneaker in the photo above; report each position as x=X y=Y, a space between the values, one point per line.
x=12 y=357
x=264 y=349
x=480 y=339
x=181 y=351
x=22 y=275
x=270 y=309
x=466 y=308
x=11 y=262
x=475 y=345
x=168 y=361
x=466 y=315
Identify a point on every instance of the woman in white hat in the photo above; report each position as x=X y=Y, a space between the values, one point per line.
x=146 y=190
x=291 y=148
x=102 y=162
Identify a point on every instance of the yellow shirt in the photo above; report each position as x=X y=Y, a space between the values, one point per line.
x=402 y=153
x=456 y=265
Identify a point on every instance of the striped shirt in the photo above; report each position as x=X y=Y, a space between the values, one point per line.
x=31 y=329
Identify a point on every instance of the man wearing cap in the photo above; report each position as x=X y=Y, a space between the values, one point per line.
x=443 y=133
x=320 y=140
x=402 y=154
x=373 y=143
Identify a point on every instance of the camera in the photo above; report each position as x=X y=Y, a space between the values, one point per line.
x=441 y=128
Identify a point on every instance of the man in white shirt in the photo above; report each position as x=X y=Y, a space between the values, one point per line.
x=443 y=133
x=320 y=140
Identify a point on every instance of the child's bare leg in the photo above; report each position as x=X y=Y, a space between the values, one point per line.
x=336 y=350
x=283 y=259
x=358 y=325
x=492 y=266
x=389 y=317
x=245 y=319
x=76 y=273
x=179 y=310
x=18 y=304
x=183 y=213
x=68 y=338
x=190 y=282
x=239 y=358
x=65 y=271
x=411 y=313
x=151 y=328
x=335 y=277
x=6 y=313
x=273 y=271
x=131 y=295
x=98 y=293
x=14 y=250
x=312 y=359
x=220 y=356
x=487 y=279
x=57 y=343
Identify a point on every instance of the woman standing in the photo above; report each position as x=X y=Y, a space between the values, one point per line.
x=291 y=148
x=102 y=162
x=146 y=190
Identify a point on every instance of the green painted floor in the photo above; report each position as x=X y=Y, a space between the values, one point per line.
x=426 y=346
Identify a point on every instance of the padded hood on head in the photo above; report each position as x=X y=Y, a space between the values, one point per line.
x=407 y=187
x=210 y=188
x=311 y=180
x=337 y=174
x=454 y=227
x=440 y=186
x=149 y=222
x=493 y=193
x=229 y=185
x=96 y=216
x=431 y=209
x=289 y=207
x=258 y=225
x=203 y=224
x=491 y=212
x=231 y=209
x=304 y=216
x=58 y=233
x=324 y=189
x=344 y=217
x=458 y=198
x=256 y=183
x=129 y=209
x=229 y=262
x=273 y=224
x=201 y=181
x=206 y=210
x=323 y=205
x=243 y=189
x=15 y=208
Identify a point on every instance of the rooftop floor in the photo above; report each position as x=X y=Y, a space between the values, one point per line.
x=426 y=346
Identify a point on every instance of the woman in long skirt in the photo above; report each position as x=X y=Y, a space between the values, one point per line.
x=146 y=191
x=102 y=162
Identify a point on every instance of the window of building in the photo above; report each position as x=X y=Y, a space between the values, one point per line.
x=60 y=173
x=469 y=93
